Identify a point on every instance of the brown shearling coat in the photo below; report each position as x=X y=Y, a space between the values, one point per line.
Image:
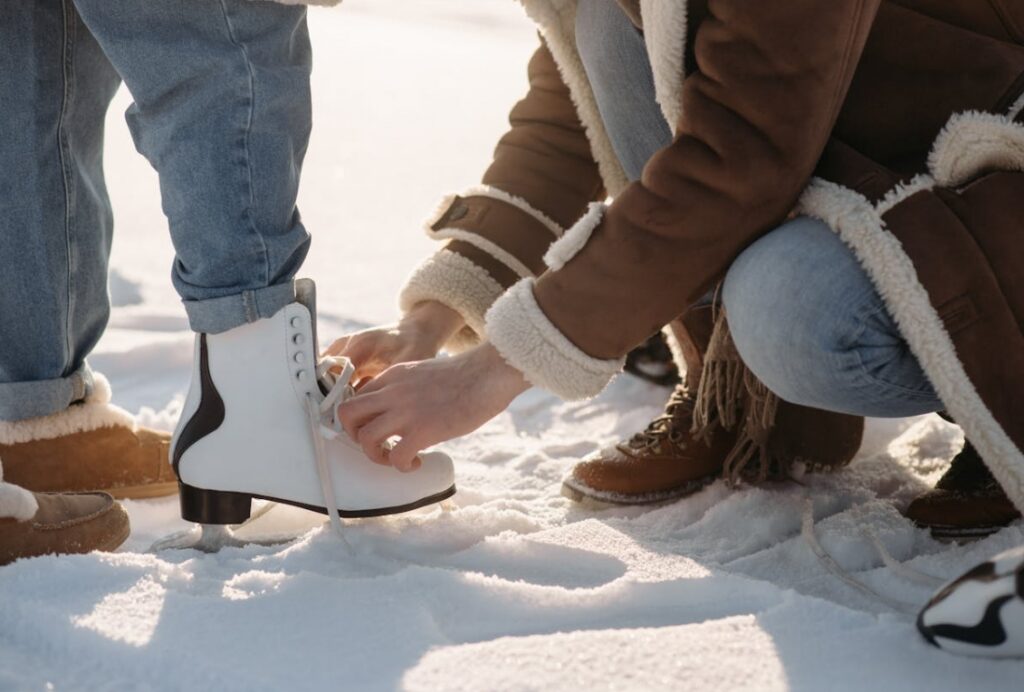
x=898 y=122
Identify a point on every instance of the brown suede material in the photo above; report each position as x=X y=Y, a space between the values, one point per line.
x=843 y=164
x=544 y=159
x=499 y=271
x=920 y=86
x=952 y=510
x=488 y=218
x=65 y=523
x=823 y=440
x=117 y=460
x=966 y=499
x=967 y=253
x=1000 y=19
x=757 y=117
x=545 y=156
x=855 y=89
x=693 y=332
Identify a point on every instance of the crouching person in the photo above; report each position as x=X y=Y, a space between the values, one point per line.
x=828 y=229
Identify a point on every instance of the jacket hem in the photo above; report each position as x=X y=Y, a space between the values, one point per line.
x=860 y=225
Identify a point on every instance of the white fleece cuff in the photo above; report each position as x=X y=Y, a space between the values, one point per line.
x=972 y=143
x=529 y=342
x=464 y=286
x=569 y=245
x=92 y=414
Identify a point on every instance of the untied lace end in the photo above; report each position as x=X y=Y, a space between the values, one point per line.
x=324 y=425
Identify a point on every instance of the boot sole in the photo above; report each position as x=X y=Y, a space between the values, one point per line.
x=954 y=533
x=224 y=507
x=603 y=499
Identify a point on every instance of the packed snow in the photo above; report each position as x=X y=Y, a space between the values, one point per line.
x=513 y=586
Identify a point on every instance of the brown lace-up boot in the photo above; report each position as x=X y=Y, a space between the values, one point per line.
x=967 y=502
x=720 y=423
x=664 y=462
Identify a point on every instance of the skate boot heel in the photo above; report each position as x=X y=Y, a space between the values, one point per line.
x=213 y=506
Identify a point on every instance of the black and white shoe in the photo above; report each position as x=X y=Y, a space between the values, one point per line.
x=982 y=612
x=259 y=422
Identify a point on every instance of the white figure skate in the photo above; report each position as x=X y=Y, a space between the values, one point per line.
x=259 y=422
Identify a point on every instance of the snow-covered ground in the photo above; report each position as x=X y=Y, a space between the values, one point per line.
x=514 y=587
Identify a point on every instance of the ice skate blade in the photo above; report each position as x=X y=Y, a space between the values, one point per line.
x=210 y=538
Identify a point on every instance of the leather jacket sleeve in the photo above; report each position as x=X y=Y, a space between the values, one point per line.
x=757 y=114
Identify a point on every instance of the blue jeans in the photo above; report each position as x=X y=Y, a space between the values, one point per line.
x=222 y=112
x=804 y=316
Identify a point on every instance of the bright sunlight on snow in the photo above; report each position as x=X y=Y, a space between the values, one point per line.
x=514 y=587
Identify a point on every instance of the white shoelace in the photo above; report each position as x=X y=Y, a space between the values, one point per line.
x=908 y=573
x=324 y=425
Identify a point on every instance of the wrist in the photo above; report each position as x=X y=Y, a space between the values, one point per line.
x=507 y=378
x=435 y=321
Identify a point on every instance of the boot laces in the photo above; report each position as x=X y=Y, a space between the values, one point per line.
x=671 y=425
x=335 y=374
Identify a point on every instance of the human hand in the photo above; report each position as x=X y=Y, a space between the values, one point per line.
x=419 y=335
x=429 y=402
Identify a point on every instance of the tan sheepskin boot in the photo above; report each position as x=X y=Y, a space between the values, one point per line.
x=92 y=446
x=34 y=524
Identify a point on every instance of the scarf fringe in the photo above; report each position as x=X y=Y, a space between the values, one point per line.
x=731 y=396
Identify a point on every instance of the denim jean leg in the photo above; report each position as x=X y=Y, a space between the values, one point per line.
x=619 y=69
x=222 y=112
x=809 y=323
x=55 y=218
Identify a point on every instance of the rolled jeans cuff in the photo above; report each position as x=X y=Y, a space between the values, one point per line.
x=216 y=315
x=24 y=400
